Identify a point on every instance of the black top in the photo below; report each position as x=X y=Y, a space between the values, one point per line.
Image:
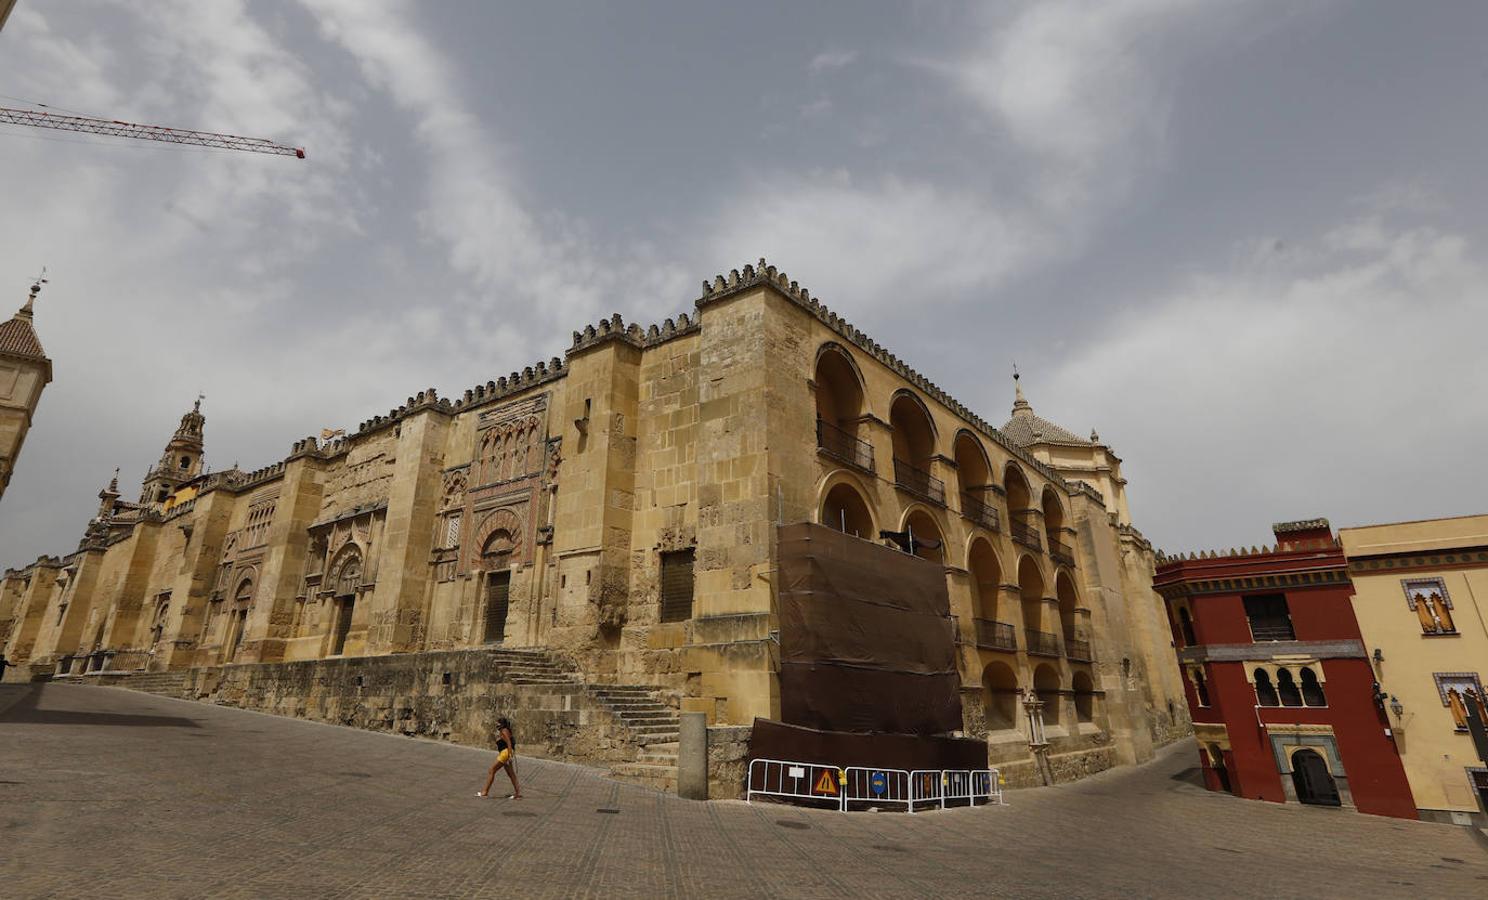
x=501 y=743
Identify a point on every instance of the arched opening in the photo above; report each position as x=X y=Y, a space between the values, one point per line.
x=1064 y=590
x=1186 y=625
x=242 y=599
x=1084 y=690
x=839 y=407
x=496 y=556
x=1311 y=778
x=974 y=477
x=1286 y=688
x=1217 y=763
x=1031 y=597
x=914 y=445
x=1265 y=690
x=1046 y=686
x=1000 y=696
x=924 y=536
x=1312 y=689
x=1201 y=687
x=1054 y=528
x=845 y=510
x=345 y=581
x=1021 y=513
x=986 y=578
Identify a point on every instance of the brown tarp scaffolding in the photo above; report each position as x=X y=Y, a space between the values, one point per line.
x=866 y=639
x=867 y=659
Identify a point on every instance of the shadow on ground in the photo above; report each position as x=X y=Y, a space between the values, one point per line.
x=28 y=711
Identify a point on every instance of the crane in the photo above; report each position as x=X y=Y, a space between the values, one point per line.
x=115 y=128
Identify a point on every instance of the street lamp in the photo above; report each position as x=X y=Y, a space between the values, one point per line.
x=1396 y=707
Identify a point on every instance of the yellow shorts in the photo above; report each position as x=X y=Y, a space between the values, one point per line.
x=503 y=756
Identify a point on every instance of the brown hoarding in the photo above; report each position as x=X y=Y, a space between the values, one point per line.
x=866 y=639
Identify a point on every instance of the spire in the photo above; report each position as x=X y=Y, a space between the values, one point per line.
x=18 y=335
x=1020 y=403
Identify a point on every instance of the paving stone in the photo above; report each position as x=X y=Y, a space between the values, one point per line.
x=112 y=793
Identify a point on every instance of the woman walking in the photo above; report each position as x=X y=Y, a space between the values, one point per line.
x=506 y=751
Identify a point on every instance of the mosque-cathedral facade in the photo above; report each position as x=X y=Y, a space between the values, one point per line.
x=613 y=514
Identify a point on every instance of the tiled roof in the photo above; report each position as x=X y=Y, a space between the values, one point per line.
x=1027 y=428
x=18 y=337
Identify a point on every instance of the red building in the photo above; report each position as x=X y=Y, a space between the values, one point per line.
x=1283 y=695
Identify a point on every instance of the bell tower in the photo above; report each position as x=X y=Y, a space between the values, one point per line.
x=24 y=372
x=181 y=461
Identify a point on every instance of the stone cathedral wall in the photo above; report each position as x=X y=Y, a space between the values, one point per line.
x=560 y=488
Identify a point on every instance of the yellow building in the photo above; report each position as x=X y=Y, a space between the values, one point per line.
x=607 y=523
x=1421 y=598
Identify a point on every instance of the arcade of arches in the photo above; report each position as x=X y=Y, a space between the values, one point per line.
x=538 y=511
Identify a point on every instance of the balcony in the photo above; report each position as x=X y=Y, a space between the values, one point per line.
x=992 y=635
x=979 y=512
x=1077 y=651
x=1042 y=643
x=1272 y=630
x=919 y=482
x=1025 y=534
x=1062 y=553
x=841 y=445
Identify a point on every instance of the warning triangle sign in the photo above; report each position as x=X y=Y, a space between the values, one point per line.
x=826 y=784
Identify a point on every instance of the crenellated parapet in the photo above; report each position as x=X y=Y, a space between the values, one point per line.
x=765 y=275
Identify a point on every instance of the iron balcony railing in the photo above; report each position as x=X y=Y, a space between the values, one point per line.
x=841 y=444
x=1272 y=630
x=1079 y=651
x=992 y=635
x=919 y=482
x=979 y=512
x=1061 y=552
x=1042 y=643
x=1025 y=534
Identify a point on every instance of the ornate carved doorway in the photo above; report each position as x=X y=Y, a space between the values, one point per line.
x=496 y=561
x=1314 y=783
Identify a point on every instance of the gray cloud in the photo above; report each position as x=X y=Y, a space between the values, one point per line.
x=1244 y=241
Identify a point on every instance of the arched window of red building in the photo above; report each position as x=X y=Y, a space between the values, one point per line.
x=1286 y=688
x=1200 y=688
x=1312 y=689
x=1185 y=622
x=1265 y=691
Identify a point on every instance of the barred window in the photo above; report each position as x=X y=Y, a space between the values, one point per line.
x=676 y=586
x=452 y=531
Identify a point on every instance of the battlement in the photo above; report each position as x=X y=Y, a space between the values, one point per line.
x=766 y=275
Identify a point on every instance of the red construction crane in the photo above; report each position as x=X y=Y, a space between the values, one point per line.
x=90 y=125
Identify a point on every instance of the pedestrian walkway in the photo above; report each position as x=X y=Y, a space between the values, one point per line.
x=108 y=792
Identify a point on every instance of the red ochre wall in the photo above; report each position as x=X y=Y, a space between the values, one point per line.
x=1376 y=777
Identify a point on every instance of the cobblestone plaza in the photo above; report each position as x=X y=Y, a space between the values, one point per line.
x=111 y=793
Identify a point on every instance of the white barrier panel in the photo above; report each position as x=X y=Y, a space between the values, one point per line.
x=876 y=787
x=796 y=780
x=987 y=783
x=958 y=787
x=927 y=786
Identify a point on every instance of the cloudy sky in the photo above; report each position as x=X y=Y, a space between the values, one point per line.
x=1247 y=241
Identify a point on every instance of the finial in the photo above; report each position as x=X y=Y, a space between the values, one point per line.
x=114 y=484
x=1094 y=438
x=200 y=396
x=1020 y=403
x=35 y=289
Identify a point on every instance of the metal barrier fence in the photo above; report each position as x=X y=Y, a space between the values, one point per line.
x=795 y=780
x=862 y=787
x=876 y=787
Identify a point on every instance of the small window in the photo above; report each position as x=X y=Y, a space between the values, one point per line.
x=1201 y=689
x=676 y=586
x=185 y=462
x=452 y=531
x=1265 y=690
x=1286 y=688
x=1270 y=620
x=1432 y=604
x=1312 y=689
x=1185 y=621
